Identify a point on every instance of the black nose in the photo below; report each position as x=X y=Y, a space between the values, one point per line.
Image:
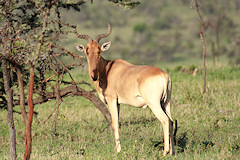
x=94 y=78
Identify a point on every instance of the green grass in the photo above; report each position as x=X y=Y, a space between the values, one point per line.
x=208 y=127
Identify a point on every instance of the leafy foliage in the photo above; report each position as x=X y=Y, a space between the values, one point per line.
x=30 y=34
x=127 y=4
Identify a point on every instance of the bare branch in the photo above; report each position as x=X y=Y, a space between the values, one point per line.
x=203 y=45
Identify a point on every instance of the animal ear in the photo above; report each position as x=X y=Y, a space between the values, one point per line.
x=80 y=47
x=106 y=46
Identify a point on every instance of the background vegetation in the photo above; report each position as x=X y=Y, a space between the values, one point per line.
x=162 y=31
x=165 y=34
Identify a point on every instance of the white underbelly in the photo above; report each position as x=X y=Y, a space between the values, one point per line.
x=136 y=101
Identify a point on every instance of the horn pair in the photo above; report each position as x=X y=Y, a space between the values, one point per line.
x=97 y=38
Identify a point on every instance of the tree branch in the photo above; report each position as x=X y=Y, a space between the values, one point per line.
x=203 y=46
x=74 y=90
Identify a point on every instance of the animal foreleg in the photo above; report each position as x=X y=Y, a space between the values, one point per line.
x=112 y=103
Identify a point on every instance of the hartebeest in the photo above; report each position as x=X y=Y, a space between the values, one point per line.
x=119 y=82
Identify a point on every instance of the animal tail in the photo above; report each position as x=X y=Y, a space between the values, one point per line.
x=167 y=90
x=167 y=97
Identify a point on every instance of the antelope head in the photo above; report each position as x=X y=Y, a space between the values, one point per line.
x=93 y=51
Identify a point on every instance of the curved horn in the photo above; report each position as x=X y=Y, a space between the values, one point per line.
x=100 y=36
x=83 y=36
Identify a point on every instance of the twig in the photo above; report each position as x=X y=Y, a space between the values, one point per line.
x=66 y=51
x=50 y=115
x=203 y=46
x=46 y=80
x=64 y=67
x=59 y=100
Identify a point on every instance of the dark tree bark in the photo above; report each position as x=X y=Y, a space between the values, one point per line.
x=9 y=92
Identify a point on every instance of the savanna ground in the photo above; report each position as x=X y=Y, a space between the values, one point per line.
x=209 y=127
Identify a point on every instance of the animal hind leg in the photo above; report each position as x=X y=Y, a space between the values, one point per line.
x=167 y=107
x=163 y=118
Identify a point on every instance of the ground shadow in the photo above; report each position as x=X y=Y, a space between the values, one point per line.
x=180 y=145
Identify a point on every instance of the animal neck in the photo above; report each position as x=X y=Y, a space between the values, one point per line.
x=103 y=67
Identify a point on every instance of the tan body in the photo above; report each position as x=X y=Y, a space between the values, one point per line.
x=119 y=82
x=128 y=83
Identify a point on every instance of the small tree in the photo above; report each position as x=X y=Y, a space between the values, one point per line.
x=203 y=46
x=29 y=38
x=29 y=47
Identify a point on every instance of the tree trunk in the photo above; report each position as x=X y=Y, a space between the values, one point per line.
x=203 y=46
x=9 y=92
x=28 y=136
x=22 y=96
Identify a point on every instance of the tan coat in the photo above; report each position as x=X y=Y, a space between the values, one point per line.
x=119 y=82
